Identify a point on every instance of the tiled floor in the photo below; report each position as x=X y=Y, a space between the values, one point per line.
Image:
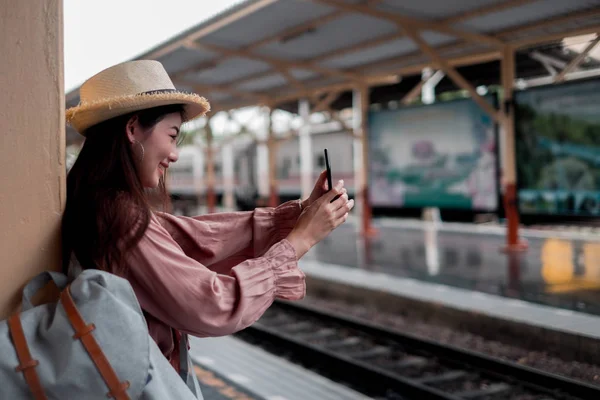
x=263 y=374
x=217 y=387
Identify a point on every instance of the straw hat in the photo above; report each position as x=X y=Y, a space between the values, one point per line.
x=128 y=87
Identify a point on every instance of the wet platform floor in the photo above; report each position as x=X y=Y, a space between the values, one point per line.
x=559 y=269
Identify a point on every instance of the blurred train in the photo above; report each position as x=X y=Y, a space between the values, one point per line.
x=186 y=180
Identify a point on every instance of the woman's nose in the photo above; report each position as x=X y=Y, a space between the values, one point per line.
x=174 y=156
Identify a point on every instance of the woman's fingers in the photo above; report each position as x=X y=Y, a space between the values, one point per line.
x=341 y=219
x=340 y=201
x=322 y=181
x=342 y=205
x=344 y=210
x=337 y=190
x=332 y=214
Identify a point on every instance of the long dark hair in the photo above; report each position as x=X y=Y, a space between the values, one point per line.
x=108 y=209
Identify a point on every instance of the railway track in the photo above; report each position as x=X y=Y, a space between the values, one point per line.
x=387 y=364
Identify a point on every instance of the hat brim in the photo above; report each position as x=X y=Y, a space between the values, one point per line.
x=83 y=116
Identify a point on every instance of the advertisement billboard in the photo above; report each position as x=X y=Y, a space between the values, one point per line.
x=557 y=132
x=440 y=155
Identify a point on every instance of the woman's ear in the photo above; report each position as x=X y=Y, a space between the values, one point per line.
x=131 y=128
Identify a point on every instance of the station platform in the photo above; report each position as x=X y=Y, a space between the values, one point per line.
x=229 y=368
x=560 y=268
x=547 y=296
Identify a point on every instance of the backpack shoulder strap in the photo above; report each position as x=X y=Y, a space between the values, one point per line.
x=117 y=389
x=27 y=363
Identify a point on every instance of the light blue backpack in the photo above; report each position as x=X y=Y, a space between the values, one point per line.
x=91 y=344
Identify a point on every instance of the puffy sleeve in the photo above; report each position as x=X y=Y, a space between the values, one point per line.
x=221 y=241
x=186 y=295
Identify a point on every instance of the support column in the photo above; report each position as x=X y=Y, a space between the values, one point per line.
x=211 y=198
x=272 y=148
x=306 y=157
x=360 y=107
x=199 y=173
x=228 y=176
x=432 y=256
x=262 y=157
x=32 y=154
x=509 y=176
x=431 y=80
x=427 y=91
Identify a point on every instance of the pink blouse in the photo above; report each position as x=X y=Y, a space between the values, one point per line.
x=214 y=274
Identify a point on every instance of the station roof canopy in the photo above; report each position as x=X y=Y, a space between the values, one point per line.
x=276 y=51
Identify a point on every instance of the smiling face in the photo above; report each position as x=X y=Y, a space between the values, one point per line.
x=159 y=144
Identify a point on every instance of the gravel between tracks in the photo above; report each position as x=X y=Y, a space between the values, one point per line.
x=536 y=359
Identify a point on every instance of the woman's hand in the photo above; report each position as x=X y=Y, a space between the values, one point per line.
x=319 y=219
x=319 y=190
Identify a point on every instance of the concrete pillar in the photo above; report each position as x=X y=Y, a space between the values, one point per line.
x=198 y=160
x=211 y=196
x=427 y=91
x=357 y=150
x=306 y=155
x=431 y=81
x=272 y=146
x=360 y=107
x=509 y=164
x=228 y=176
x=262 y=155
x=32 y=150
x=428 y=97
x=432 y=256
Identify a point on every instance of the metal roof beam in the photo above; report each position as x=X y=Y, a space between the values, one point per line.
x=489 y=56
x=547 y=80
x=251 y=77
x=365 y=44
x=208 y=29
x=290 y=78
x=414 y=63
x=454 y=75
x=276 y=63
x=358 y=47
x=302 y=28
x=524 y=43
x=386 y=79
x=202 y=88
x=577 y=60
x=478 y=12
x=324 y=103
x=414 y=23
x=295 y=31
x=493 y=8
x=383 y=39
x=195 y=68
x=550 y=23
x=545 y=59
x=479 y=57
x=390 y=37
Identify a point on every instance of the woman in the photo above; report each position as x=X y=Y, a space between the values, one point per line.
x=207 y=276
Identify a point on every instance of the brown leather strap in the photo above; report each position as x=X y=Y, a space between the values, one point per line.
x=28 y=364
x=117 y=389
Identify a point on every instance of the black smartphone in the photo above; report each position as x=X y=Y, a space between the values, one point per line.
x=329 y=184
